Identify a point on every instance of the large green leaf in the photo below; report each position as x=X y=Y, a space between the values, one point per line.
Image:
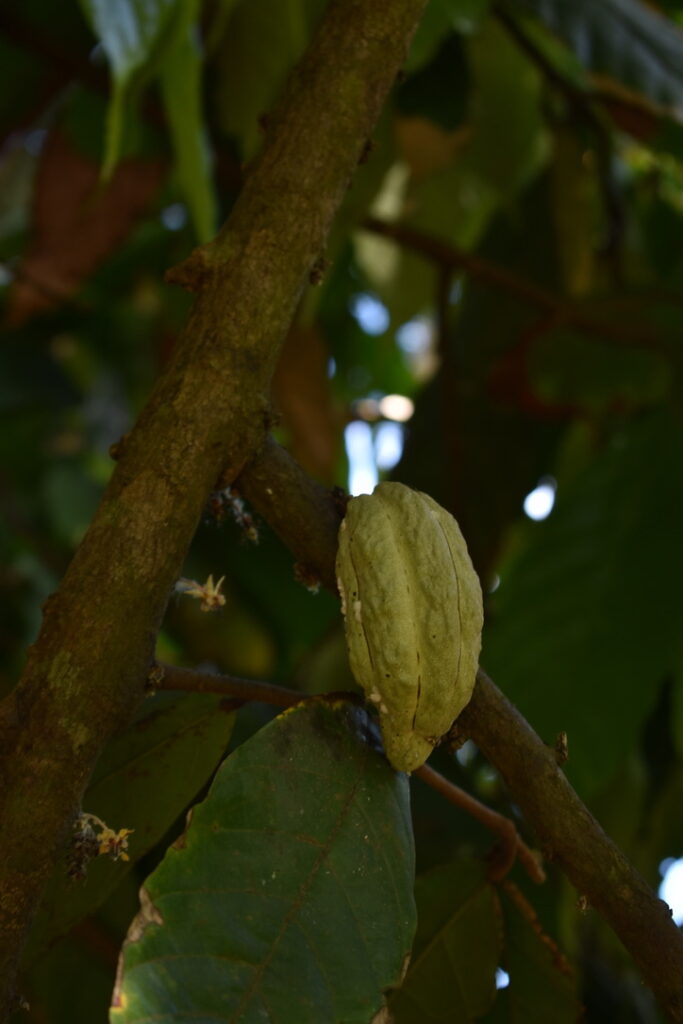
x=573 y=370
x=457 y=948
x=181 y=87
x=677 y=717
x=587 y=619
x=289 y=898
x=131 y=33
x=627 y=39
x=129 y=30
x=452 y=204
x=144 y=780
x=473 y=167
x=263 y=40
x=71 y=496
x=146 y=38
x=472 y=444
x=542 y=984
x=466 y=15
x=440 y=19
x=507 y=145
x=467 y=928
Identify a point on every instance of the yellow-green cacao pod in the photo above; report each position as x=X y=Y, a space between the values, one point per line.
x=413 y=614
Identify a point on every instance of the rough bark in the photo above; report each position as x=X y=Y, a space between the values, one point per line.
x=207 y=414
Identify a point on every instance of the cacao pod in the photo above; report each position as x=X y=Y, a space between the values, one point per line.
x=413 y=616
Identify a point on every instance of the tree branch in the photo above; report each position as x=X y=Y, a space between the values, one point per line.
x=512 y=845
x=303 y=514
x=562 y=312
x=170 y=677
x=87 y=670
x=569 y=834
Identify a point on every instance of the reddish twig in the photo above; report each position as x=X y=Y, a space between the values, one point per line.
x=512 y=846
x=530 y=915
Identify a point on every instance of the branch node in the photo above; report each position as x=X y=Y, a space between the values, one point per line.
x=366 y=151
x=117 y=449
x=191 y=274
x=561 y=748
x=455 y=738
x=155 y=678
x=340 y=500
x=307 y=576
x=316 y=274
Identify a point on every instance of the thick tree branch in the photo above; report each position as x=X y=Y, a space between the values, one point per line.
x=568 y=833
x=207 y=413
x=573 y=839
x=301 y=512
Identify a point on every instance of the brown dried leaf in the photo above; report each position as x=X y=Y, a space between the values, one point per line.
x=77 y=222
x=302 y=396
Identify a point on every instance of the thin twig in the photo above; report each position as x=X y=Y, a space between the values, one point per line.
x=450 y=256
x=529 y=914
x=170 y=677
x=512 y=845
x=564 y=312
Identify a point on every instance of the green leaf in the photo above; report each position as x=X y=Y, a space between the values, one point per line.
x=457 y=948
x=129 y=30
x=572 y=369
x=508 y=136
x=71 y=496
x=263 y=40
x=132 y=33
x=143 y=38
x=435 y=25
x=624 y=38
x=466 y=15
x=144 y=780
x=74 y=981
x=181 y=87
x=473 y=169
x=440 y=19
x=586 y=621
x=438 y=92
x=677 y=716
x=290 y=894
x=452 y=204
x=542 y=984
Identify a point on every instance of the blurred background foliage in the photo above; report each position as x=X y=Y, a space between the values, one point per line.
x=499 y=324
